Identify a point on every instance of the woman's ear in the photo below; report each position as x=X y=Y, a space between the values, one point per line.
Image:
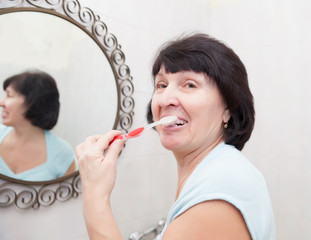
x=226 y=115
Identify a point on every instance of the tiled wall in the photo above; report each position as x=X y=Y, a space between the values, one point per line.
x=273 y=39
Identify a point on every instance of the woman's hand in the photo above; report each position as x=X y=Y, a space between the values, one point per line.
x=97 y=165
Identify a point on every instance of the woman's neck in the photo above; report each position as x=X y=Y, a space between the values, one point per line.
x=24 y=148
x=26 y=132
x=188 y=161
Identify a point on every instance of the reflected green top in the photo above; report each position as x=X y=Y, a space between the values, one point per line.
x=59 y=157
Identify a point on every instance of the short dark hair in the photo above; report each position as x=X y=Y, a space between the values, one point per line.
x=203 y=54
x=41 y=97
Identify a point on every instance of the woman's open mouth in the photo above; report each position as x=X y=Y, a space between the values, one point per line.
x=178 y=123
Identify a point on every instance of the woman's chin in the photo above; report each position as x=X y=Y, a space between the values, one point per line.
x=5 y=123
x=170 y=144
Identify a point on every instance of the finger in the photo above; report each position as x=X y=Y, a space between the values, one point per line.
x=114 y=150
x=79 y=149
x=86 y=147
x=93 y=139
x=88 y=141
x=94 y=146
x=103 y=142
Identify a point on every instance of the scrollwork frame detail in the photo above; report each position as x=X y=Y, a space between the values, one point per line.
x=36 y=194
x=39 y=194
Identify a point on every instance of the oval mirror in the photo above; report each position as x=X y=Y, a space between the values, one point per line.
x=73 y=45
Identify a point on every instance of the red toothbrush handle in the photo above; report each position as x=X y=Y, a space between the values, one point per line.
x=115 y=138
x=135 y=133
x=132 y=134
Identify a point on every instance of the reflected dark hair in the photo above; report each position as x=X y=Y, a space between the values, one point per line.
x=201 y=53
x=41 y=97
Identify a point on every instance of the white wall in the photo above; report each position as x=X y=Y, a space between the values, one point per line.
x=271 y=38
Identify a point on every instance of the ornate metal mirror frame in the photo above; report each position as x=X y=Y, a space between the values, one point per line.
x=25 y=194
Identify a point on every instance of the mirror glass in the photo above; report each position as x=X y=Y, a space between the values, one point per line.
x=88 y=91
x=73 y=44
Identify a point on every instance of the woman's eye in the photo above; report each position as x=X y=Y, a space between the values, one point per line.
x=190 y=85
x=160 y=85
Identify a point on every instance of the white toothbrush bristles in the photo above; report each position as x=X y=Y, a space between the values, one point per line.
x=165 y=121
x=168 y=120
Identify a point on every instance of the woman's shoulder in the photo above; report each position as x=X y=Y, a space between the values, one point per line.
x=57 y=143
x=4 y=130
x=228 y=162
x=60 y=152
x=53 y=138
x=226 y=174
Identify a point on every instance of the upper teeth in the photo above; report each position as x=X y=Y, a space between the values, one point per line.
x=180 y=122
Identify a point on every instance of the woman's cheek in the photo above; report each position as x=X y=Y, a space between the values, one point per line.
x=154 y=108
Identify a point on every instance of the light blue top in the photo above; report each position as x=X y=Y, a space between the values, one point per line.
x=59 y=157
x=226 y=174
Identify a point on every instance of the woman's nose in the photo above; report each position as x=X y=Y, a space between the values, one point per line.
x=169 y=96
x=2 y=102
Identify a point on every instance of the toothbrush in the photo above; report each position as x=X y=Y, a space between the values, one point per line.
x=138 y=131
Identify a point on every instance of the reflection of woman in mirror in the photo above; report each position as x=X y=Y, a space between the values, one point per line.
x=28 y=151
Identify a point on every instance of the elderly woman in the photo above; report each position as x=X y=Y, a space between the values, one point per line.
x=220 y=194
x=28 y=150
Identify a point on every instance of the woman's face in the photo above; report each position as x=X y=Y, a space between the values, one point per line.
x=13 y=107
x=198 y=104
